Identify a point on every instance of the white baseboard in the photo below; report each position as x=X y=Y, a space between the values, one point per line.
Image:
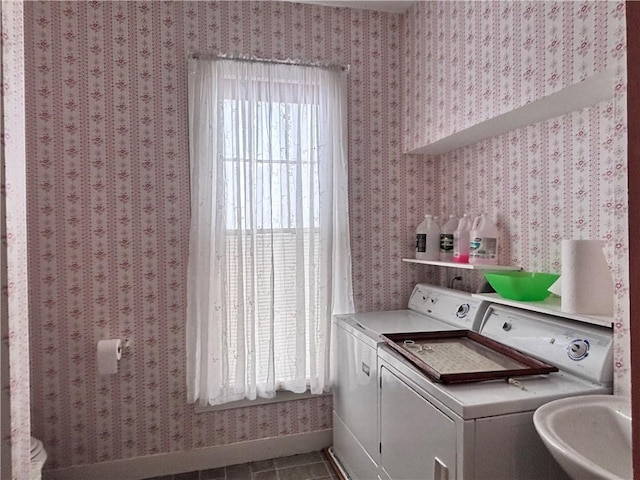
x=198 y=459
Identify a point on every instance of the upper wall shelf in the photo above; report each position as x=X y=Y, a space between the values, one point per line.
x=590 y=91
x=466 y=266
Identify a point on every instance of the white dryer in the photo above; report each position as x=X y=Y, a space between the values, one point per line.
x=356 y=445
x=484 y=430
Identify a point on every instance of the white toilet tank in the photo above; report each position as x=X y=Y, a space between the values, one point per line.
x=38 y=458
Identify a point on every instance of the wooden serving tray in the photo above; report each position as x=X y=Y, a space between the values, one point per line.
x=457 y=356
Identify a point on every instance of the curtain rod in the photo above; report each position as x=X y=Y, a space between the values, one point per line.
x=214 y=56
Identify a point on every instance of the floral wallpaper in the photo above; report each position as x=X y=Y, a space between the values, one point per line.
x=108 y=194
x=15 y=319
x=563 y=178
x=109 y=207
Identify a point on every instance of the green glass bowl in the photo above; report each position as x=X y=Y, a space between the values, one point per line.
x=524 y=286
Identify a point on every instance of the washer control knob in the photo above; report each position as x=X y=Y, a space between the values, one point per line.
x=463 y=310
x=578 y=349
x=428 y=299
x=506 y=326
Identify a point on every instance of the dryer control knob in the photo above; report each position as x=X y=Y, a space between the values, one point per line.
x=463 y=310
x=578 y=349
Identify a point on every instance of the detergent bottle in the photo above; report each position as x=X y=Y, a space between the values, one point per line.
x=483 y=246
x=428 y=239
x=446 y=238
x=461 y=239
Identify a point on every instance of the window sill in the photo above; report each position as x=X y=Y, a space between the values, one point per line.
x=281 y=396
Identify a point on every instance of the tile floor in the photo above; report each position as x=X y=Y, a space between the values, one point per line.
x=306 y=466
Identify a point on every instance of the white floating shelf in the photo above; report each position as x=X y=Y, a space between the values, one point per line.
x=549 y=306
x=586 y=93
x=466 y=266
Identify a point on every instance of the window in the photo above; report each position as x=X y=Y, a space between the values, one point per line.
x=269 y=259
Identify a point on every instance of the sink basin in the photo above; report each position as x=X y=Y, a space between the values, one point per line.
x=589 y=436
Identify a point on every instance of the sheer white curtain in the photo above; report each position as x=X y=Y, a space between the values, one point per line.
x=269 y=255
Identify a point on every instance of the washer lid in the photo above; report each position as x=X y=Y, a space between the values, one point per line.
x=369 y=326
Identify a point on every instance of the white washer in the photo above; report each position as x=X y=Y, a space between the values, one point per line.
x=485 y=430
x=356 y=446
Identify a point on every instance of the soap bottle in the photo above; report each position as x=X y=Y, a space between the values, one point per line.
x=483 y=246
x=461 y=239
x=428 y=239
x=446 y=238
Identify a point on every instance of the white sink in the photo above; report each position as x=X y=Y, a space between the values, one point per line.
x=589 y=436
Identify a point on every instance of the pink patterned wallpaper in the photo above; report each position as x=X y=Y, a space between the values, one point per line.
x=563 y=178
x=109 y=206
x=480 y=59
x=108 y=181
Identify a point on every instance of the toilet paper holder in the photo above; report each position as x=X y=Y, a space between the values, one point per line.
x=109 y=353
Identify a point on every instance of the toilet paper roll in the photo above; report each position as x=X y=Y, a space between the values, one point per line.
x=586 y=282
x=109 y=352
